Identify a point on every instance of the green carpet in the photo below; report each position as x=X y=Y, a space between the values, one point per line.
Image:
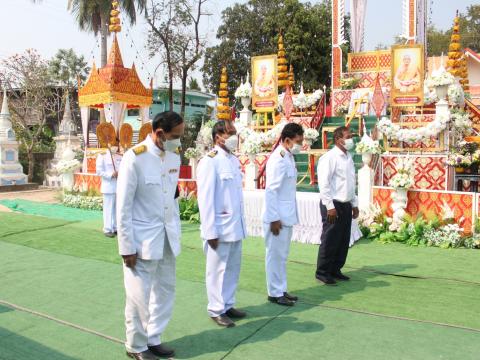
x=50 y=210
x=392 y=309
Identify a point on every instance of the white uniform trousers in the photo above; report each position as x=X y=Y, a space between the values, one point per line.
x=276 y=255
x=109 y=213
x=150 y=294
x=223 y=271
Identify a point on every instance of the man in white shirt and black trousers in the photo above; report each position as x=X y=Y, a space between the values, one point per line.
x=339 y=204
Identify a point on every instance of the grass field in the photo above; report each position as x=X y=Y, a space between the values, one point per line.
x=61 y=297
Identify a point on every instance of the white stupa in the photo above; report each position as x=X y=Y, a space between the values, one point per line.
x=11 y=172
x=66 y=138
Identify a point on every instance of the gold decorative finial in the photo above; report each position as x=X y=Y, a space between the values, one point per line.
x=223 y=108
x=115 y=25
x=282 y=64
x=457 y=62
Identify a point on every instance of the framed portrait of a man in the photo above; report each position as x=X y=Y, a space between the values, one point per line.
x=265 y=83
x=407 y=75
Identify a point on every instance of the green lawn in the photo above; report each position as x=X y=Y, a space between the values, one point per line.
x=402 y=302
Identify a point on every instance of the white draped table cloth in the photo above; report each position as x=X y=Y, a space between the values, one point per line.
x=309 y=228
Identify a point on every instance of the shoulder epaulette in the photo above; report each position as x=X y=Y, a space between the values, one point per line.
x=139 y=149
x=213 y=153
x=282 y=153
x=178 y=150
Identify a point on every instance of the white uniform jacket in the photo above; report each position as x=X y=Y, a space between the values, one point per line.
x=220 y=197
x=280 y=189
x=147 y=211
x=105 y=169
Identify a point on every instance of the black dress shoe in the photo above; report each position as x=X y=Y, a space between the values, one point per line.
x=340 y=276
x=290 y=297
x=235 y=313
x=145 y=355
x=162 y=351
x=327 y=280
x=223 y=320
x=109 y=234
x=282 y=300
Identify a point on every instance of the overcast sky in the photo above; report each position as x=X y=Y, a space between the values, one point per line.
x=48 y=27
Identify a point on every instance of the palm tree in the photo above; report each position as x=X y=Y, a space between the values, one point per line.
x=94 y=15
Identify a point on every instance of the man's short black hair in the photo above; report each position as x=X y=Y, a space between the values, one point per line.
x=291 y=130
x=220 y=128
x=338 y=133
x=166 y=121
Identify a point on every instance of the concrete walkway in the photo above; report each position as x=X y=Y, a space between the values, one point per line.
x=45 y=195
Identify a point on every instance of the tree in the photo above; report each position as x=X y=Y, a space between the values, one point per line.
x=65 y=69
x=94 y=15
x=175 y=30
x=252 y=29
x=469 y=22
x=193 y=84
x=470 y=28
x=26 y=75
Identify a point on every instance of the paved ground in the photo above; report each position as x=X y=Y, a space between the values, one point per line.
x=48 y=196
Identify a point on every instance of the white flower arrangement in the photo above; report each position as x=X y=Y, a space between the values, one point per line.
x=461 y=123
x=403 y=179
x=370 y=216
x=244 y=90
x=440 y=78
x=310 y=134
x=205 y=134
x=368 y=146
x=449 y=235
x=83 y=202
x=192 y=153
x=430 y=95
x=411 y=136
x=303 y=101
x=252 y=145
x=67 y=166
x=456 y=96
x=447 y=213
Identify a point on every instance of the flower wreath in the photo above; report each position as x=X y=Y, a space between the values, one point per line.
x=411 y=136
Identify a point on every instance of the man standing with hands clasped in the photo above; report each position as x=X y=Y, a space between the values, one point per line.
x=107 y=167
x=337 y=181
x=280 y=213
x=220 y=201
x=149 y=235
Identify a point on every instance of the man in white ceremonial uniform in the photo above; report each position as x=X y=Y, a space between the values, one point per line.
x=280 y=212
x=107 y=166
x=149 y=235
x=220 y=201
x=338 y=206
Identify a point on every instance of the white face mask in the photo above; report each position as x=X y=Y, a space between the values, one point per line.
x=113 y=149
x=172 y=145
x=231 y=143
x=348 y=144
x=296 y=149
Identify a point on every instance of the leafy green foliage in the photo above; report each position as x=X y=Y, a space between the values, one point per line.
x=252 y=29
x=66 y=66
x=189 y=210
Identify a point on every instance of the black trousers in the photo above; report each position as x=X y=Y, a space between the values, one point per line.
x=333 y=250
